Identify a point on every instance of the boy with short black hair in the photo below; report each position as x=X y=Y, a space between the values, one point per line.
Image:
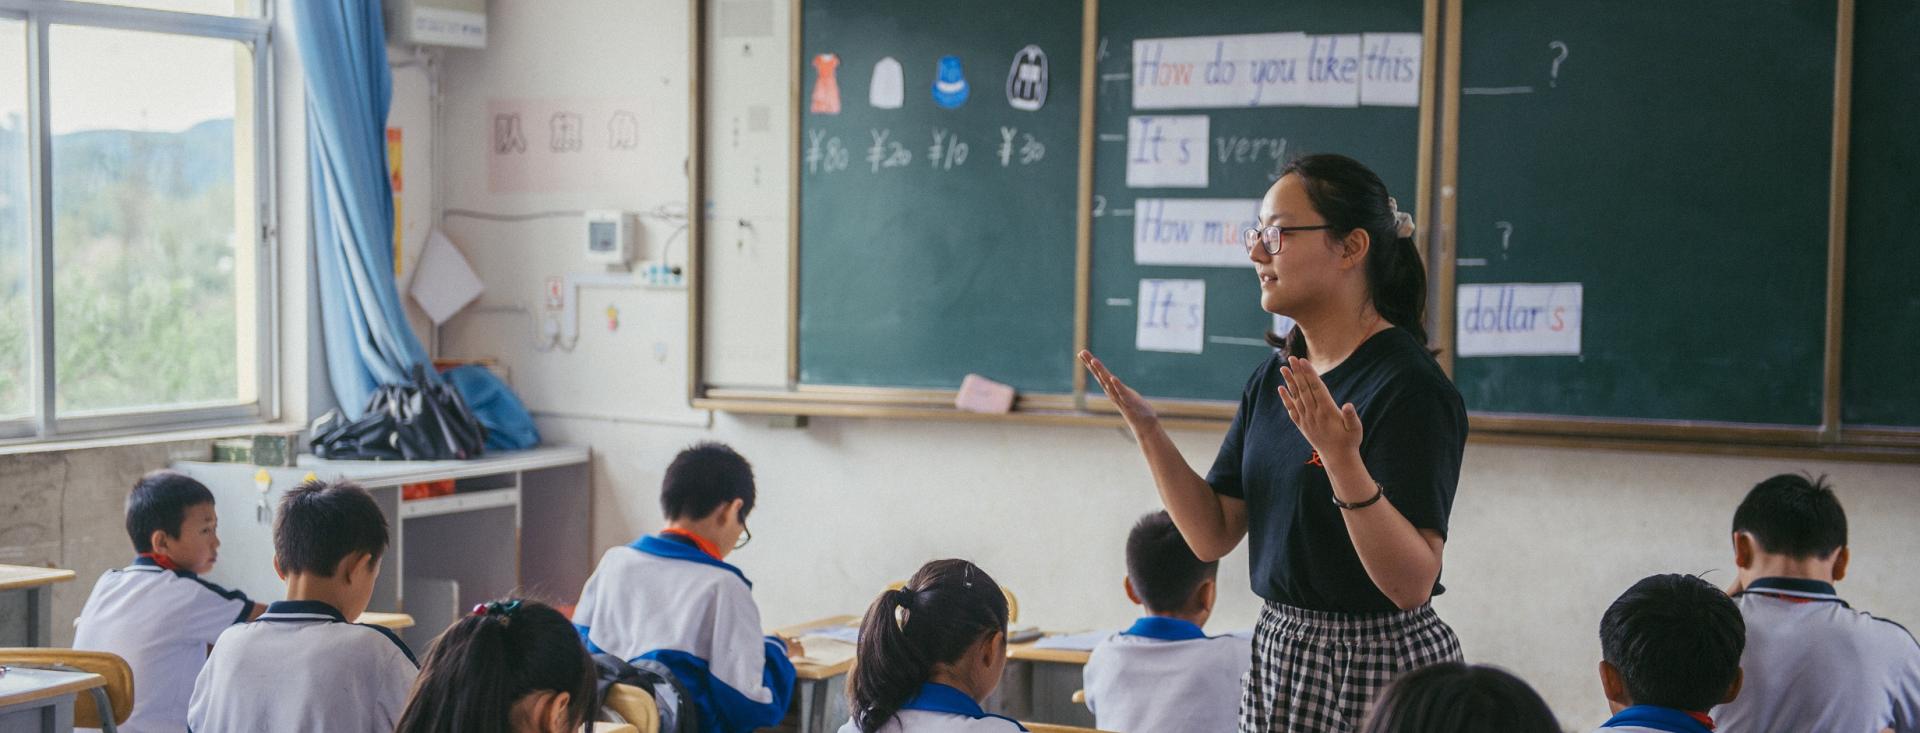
x=158 y=614
x=301 y=665
x=1812 y=662
x=672 y=598
x=1164 y=673
x=1670 y=652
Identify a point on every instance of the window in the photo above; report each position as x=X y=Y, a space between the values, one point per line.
x=136 y=298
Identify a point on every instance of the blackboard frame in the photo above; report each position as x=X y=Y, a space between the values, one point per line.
x=1438 y=178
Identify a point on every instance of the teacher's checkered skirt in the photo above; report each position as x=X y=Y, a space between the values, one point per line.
x=1319 y=672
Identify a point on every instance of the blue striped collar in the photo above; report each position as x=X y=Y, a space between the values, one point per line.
x=1165 y=628
x=934 y=697
x=1801 y=587
x=301 y=611
x=674 y=548
x=1656 y=718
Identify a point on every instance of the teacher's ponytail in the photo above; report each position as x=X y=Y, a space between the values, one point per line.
x=1350 y=196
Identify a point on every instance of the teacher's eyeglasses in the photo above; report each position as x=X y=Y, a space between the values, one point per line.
x=1274 y=238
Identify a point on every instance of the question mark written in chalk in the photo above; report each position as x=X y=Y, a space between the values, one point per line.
x=1555 y=73
x=1506 y=236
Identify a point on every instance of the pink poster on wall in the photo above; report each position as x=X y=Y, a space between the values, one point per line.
x=567 y=144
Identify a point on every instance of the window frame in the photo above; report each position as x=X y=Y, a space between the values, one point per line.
x=255 y=31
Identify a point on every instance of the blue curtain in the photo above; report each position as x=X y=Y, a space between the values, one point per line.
x=368 y=342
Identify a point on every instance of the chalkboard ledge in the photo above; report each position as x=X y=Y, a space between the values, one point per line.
x=938 y=405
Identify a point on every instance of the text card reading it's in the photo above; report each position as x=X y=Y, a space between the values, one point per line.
x=1167 y=152
x=1172 y=316
x=1193 y=232
x=1516 y=319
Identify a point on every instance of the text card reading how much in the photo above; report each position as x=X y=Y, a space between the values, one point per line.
x=1167 y=152
x=1172 y=316
x=1195 y=232
x=1277 y=70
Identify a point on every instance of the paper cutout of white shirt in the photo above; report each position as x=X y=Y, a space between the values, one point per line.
x=888 y=89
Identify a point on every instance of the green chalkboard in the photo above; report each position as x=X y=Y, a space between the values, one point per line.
x=1246 y=144
x=1881 y=329
x=1672 y=157
x=936 y=241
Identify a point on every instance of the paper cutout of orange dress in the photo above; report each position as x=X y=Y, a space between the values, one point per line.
x=826 y=89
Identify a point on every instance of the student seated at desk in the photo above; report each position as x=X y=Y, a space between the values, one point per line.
x=1165 y=673
x=1670 y=651
x=1812 y=662
x=1451 y=697
x=158 y=614
x=301 y=666
x=673 y=599
x=929 y=653
x=511 y=666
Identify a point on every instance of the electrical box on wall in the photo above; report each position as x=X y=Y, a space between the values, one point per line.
x=609 y=238
x=459 y=23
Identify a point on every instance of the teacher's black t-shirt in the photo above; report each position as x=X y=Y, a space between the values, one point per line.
x=1414 y=429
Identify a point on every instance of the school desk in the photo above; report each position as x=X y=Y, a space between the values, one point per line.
x=26 y=604
x=600 y=726
x=1038 y=686
x=392 y=621
x=819 y=690
x=41 y=700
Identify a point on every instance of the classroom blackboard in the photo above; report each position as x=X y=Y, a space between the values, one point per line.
x=1670 y=158
x=938 y=216
x=1239 y=84
x=1882 y=309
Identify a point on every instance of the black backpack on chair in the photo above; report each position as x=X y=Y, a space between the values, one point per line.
x=677 y=714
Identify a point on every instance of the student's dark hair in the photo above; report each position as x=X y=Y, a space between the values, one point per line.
x=1161 y=566
x=160 y=501
x=1676 y=640
x=320 y=524
x=1794 y=515
x=1451 y=697
x=1349 y=196
x=703 y=477
x=942 y=610
x=487 y=661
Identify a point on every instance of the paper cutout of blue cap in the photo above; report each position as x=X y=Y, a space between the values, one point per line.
x=950 y=84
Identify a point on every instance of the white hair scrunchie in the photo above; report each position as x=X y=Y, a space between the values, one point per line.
x=1402 y=221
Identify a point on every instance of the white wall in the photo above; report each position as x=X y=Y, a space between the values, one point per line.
x=1542 y=540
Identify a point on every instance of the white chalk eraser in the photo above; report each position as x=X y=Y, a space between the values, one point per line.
x=980 y=394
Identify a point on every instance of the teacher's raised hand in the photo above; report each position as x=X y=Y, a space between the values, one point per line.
x=1133 y=408
x=1333 y=430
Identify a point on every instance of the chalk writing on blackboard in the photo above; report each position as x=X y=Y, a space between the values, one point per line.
x=946 y=151
x=887 y=153
x=825 y=154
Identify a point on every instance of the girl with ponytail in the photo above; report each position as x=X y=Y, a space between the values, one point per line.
x=1341 y=464
x=511 y=666
x=929 y=653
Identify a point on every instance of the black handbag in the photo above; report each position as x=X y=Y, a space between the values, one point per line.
x=423 y=420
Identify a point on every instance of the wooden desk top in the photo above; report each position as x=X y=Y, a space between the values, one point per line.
x=600 y=726
x=807 y=670
x=26 y=684
x=15 y=577
x=392 y=621
x=1026 y=652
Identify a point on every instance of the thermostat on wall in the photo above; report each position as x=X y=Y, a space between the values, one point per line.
x=609 y=238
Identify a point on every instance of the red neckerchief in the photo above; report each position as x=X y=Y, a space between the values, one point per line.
x=165 y=563
x=1783 y=597
x=698 y=541
x=1702 y=717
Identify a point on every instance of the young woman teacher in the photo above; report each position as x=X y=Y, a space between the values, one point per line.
x=1341 y=462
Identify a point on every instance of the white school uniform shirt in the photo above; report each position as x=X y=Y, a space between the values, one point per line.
x=1165 y=674
x=302 y=667
x=1812 y=663
x=1651 y=719
x=161 y=621
x=938 y=708
x=663 y=598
